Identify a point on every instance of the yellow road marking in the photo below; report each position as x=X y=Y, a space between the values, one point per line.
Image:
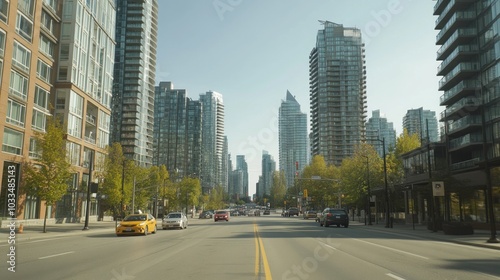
x=260 y=249
x=256 y=250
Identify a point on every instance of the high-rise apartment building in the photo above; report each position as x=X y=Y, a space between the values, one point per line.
x=378 y=128
x=337 y=83
x=134 y=78
x=268 y=168
x=57 y=59
x=212 y=140
x=177 y=131
x=468 y=40
x=242 y=165
x=293 y=138
x=225 y=165
x=423 y=123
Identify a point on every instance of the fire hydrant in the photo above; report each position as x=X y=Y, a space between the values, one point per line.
x=21 y=228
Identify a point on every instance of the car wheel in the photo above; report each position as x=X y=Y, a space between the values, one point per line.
x=164 y=228
x=145 y=230
x=346 y=225
x=338 y=225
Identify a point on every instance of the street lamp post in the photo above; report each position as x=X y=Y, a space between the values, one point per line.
x=369 y=190
x=386 y=194
x=87 y=211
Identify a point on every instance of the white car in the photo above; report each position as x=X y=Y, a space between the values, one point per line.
x=175 y=220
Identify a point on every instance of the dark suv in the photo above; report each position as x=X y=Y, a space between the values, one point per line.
x=293 y=211
x=332 y=216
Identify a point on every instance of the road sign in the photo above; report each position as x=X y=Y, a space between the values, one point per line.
x=438 y=188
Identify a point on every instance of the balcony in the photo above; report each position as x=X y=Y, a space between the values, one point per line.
x=464 y=107
x=465 y=124
x=465 y=164
x=463 y=88
x=466 y=140
x=463 y=70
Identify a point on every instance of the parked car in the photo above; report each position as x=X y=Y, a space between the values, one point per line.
x=206 y=215
x=235 y=213
x=136 y=224
x=310 y=214
x=332 y=216
x=221 y=215
x=175 y=220
x=267 y=212
x=293 y=211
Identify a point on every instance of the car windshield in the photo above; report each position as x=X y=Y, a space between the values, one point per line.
x=174 y=216
x=337 y=212
x=135 y=218
x=221 y=212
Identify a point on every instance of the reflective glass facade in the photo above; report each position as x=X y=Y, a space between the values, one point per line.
x=134 y=78
x=177 y=132
x=212 y=140
x=337 y=85
x=293 y=139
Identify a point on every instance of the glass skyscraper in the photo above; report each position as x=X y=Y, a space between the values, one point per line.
x=134 y=78
x=378 y=128
x=293 y=139
x=212 y=140
x=337 y=81
x=177 y=132
x=469 y=56
x=423 y=123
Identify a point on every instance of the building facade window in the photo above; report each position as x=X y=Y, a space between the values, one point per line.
x=46 y=46
x=21 y=57
x=4 y=10
x=18 y=85
x=16 y=113
x=73 y=153
x=24 y=26
x=39 y=120
x=43 y=71
x=12 y=141
x=2 y=43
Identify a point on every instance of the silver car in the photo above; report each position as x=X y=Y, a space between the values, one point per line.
x=175 y=220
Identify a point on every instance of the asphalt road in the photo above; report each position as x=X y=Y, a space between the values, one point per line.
x=265 y=247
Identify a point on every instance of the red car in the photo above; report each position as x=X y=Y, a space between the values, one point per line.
x=221 y=215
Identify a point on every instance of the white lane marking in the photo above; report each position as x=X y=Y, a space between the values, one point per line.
x=394 y=276
x=392 y=249
x=326 y=245
x=56 y=255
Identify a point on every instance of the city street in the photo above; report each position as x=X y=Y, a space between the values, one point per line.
x=265 y=247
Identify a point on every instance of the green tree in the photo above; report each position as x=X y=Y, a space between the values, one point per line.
x=190 y=190
x=117 y=177
x=322 y=182
x=278 y=189
x=49 y=175
x=404 y=143
x=364 y=167
x=217 y=198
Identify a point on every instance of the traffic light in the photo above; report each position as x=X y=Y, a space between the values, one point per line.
x=305 y=193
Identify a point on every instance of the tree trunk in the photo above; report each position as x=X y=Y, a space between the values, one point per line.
x=45 y=218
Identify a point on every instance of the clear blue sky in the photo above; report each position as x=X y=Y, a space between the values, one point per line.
x=253 y=51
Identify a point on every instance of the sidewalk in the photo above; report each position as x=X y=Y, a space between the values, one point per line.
x=57 y=230
x=479 y=238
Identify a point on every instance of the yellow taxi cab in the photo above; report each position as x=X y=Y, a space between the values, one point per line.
x=136 y=224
